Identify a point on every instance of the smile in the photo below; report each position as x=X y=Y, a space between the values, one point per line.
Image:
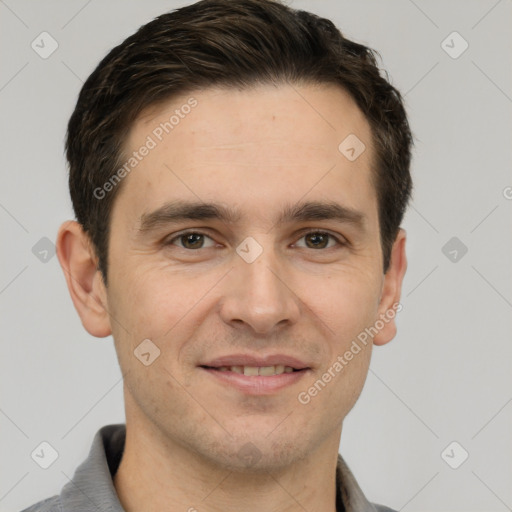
x=265 y=371
x=255 y=380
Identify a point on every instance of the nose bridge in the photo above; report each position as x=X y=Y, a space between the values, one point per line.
x=257 y=294
x=265 y=286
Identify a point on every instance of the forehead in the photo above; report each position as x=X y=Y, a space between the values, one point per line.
x=320 y=114
x=268 y=142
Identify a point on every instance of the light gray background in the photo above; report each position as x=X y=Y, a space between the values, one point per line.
x=446 y=376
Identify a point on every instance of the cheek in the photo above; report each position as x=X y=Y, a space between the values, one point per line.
x=347 y=305
x=160 y=309
x=158 y=304
x=334 y=389
x=346 y=302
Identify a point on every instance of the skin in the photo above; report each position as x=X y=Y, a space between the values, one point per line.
x=255 y=150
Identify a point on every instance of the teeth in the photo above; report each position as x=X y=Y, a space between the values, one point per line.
x=253 y=371
x=267 y=370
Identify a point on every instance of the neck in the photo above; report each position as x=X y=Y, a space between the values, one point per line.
x=157 y=474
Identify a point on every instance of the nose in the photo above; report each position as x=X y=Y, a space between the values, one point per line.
x=259 y=295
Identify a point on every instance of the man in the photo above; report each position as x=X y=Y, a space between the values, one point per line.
x=239 y=172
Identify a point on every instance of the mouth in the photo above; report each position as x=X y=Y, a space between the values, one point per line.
x=254 y=371
x=256 y=376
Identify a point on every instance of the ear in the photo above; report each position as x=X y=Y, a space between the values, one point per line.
x=389 y=303
x=85 y=282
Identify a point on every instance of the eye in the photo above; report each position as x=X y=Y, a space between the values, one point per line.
x=320 y=240
x=191 y=240
x=194 y=240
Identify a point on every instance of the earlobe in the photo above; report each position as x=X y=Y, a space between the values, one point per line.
x=389 y=304
x=85 y=283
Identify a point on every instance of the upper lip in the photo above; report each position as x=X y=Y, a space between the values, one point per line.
x=252 y=360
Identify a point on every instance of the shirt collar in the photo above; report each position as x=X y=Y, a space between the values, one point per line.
x=92 y=488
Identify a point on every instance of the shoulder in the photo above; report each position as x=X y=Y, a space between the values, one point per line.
x=382 y=508
x=48 y=505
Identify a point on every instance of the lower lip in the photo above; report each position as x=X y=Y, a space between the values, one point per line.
x=257 y=384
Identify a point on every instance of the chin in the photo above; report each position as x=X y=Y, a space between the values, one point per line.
x=257 y=456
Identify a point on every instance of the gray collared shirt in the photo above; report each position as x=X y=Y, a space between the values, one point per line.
x=92 y=488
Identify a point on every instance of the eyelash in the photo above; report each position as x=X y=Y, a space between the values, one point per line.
x=339 y=242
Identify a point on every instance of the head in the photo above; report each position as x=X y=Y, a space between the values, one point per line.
x=242 y=108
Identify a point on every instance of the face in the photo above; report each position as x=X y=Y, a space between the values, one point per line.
x=253 y=296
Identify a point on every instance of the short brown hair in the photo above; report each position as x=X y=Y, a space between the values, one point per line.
x=234 y=44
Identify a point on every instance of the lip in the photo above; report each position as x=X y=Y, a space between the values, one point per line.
x=254 y=360
x=255 y=385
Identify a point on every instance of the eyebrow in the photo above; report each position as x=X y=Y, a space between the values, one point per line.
x=179 y=210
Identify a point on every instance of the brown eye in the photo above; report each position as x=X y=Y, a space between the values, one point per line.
x=320 y=240
x=317 y=240
x=191 y=240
